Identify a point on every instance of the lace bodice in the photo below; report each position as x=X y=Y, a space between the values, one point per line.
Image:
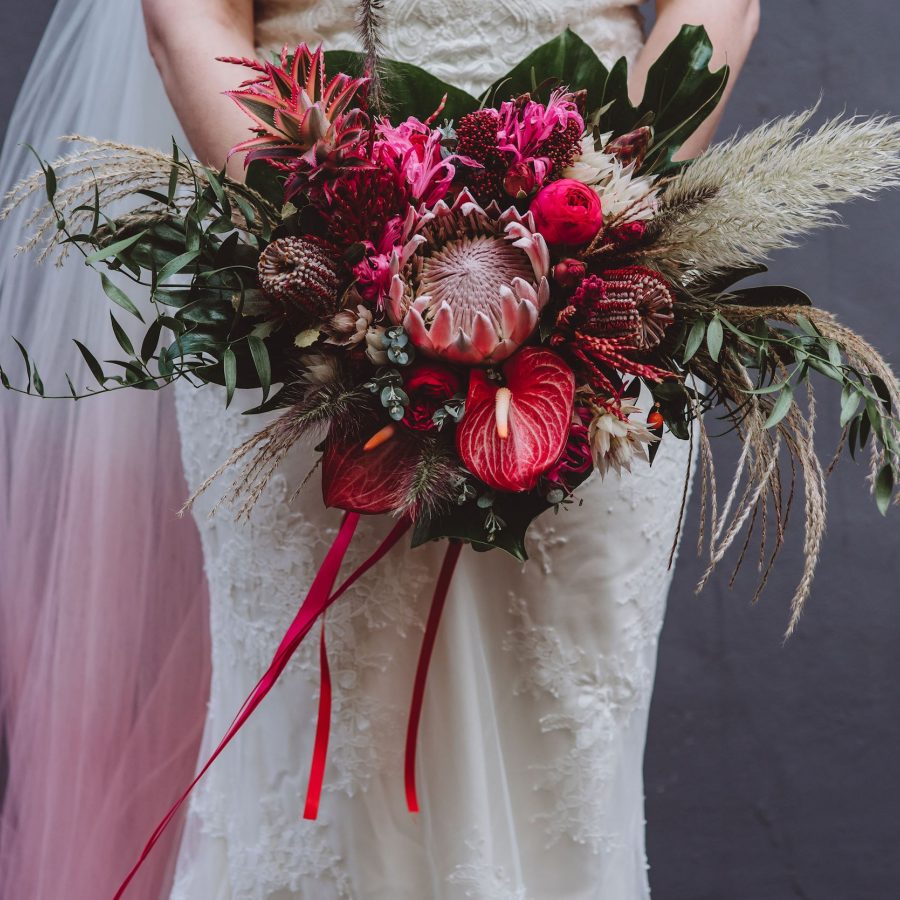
x=468 y=43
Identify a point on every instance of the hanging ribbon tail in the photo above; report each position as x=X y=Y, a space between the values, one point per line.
x=415 y=712
x=323 y=729
x=318 y=599
x=323 y=725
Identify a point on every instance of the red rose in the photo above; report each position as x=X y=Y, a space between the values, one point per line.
x=429 y=386
x=629 y=233
x=567 y=212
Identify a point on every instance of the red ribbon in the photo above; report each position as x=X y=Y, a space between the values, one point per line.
x=323 y=728
x=431 y=628
x=318 y=599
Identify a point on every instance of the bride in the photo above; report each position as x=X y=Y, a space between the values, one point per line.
x=530 y=762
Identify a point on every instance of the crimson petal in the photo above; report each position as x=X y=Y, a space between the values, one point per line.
x=373 y=481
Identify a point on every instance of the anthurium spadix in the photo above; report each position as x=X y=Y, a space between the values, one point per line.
x=514 y=431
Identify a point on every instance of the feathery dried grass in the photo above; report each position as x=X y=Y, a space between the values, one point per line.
x=115 y=171
x=335 y=404
x=749 y=196
x=757 y=494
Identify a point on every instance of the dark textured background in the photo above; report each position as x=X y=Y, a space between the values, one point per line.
x=773 y=771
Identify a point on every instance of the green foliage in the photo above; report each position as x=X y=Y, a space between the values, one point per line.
x=410 y=91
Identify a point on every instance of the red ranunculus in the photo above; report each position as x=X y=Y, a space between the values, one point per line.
x=567 y=212
x=569 y=273
x=429 y=386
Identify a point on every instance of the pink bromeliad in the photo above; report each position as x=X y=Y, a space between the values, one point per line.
x=295 y=109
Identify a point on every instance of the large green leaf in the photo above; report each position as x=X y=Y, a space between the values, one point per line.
x=680 y=94
x=410 y=91
x=567 y=60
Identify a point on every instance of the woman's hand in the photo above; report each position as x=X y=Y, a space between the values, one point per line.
x=185 y=37
x=732 y=26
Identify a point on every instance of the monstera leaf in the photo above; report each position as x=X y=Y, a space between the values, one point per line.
x=681 y=90
x=541 y=390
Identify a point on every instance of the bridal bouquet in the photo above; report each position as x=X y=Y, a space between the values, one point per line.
x=464 y=297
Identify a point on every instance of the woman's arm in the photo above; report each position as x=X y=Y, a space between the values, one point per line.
x=732 y=26
x=185 y=37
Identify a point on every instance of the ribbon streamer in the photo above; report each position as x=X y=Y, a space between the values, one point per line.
x=431 y=628
x=323 y=730
x=318 y=599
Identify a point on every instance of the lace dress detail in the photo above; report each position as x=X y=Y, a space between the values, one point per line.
x=533 y=730
x=468 y=43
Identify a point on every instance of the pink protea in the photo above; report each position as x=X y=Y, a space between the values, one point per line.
x=473 y=287
x=294 y=107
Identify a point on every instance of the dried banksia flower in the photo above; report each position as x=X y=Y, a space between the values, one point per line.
x=593 y=312
x=304 y=272
x=651 y=297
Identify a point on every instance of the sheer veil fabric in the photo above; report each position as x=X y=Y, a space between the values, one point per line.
x=533 y=730
x=103 y=607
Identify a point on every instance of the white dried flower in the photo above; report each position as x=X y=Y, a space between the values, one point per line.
x=615 y=442
x=349 y=326
x=622 y=193
x=376 y=346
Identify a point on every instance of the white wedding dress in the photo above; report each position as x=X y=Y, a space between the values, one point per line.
x=532 y=737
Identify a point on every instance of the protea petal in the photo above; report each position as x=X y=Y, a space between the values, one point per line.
x=441 y=333
x=415 y=328
x=484 y=335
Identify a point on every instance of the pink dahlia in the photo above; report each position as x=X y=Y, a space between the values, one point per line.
x=472 y=289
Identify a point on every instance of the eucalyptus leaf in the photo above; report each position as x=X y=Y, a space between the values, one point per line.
x=229 y=368
x=714 y=337
x=262 y=362
x=118 y=296
x=781 y=408
x=122 y=338
x=92 y=364
x=114 y=249
x=176 y=265
x=694 y=339
x=769 y=295
x=884 y=488
x=849 y=404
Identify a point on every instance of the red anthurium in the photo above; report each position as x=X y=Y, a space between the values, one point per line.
x=368 y=481
x=534 y=409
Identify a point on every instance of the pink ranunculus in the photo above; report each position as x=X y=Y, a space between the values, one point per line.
x=567 y=212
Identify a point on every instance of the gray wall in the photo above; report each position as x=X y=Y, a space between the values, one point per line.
x=773 y=771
